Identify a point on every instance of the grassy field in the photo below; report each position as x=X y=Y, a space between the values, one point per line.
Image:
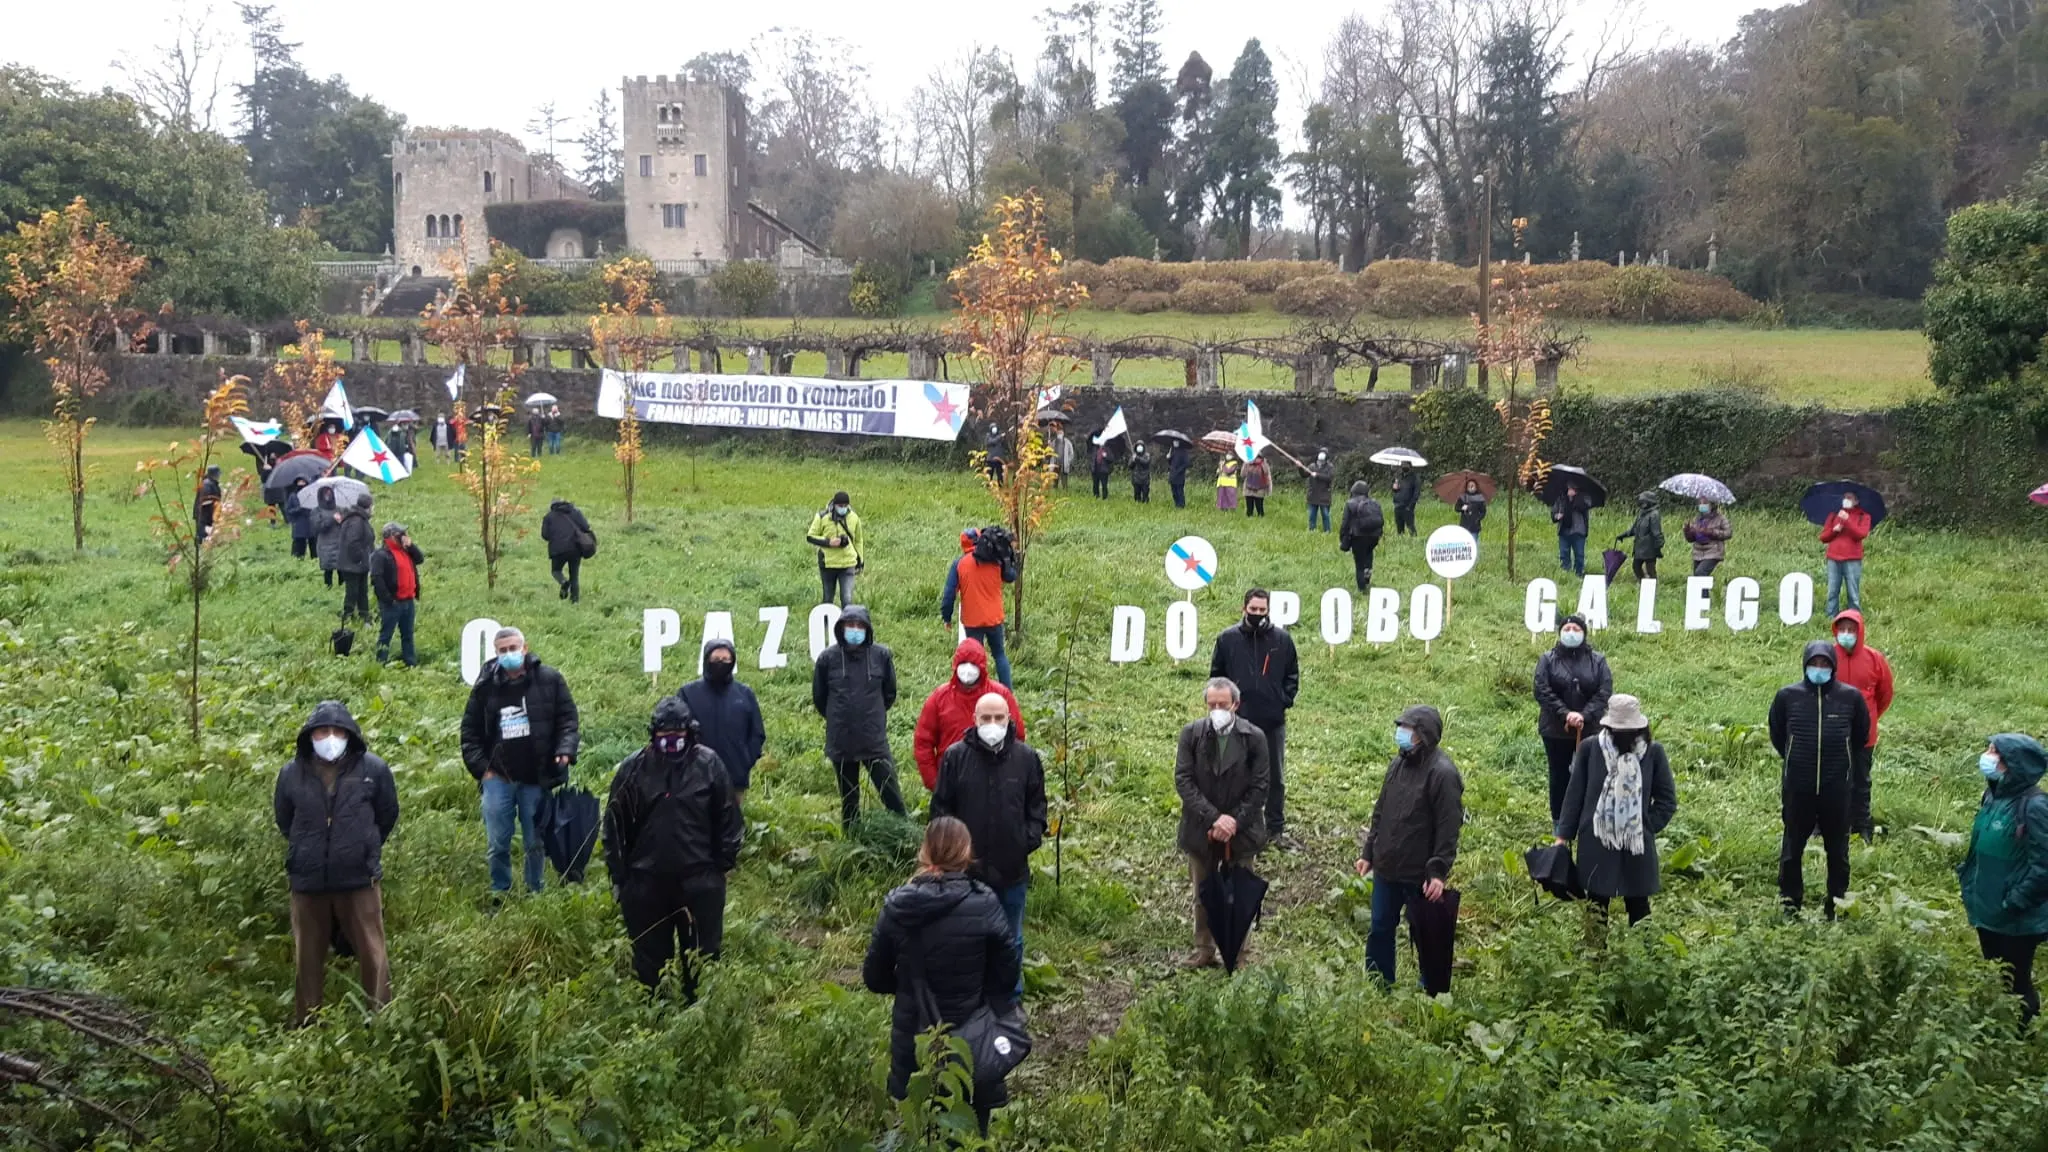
x=1839 y=368
x=141 y=867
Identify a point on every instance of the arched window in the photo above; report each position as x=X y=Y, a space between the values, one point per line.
x=446 y=231
x=458 y=225
x=397 y=184
x=431 y=231
x=662 y=113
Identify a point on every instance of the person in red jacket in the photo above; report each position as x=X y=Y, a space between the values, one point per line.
x=1844 y=534
x=1865 y=669
x=948 y=713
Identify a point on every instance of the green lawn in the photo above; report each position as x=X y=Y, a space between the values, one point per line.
x=138 y=866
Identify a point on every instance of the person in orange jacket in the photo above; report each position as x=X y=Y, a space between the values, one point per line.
x=1844 y=534
x=975 y=581
x=948 y=713
x=1865 y=669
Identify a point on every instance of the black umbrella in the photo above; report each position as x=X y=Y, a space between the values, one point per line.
x=1563 y=474
x=1825 y=499
x=268 y=453
x=568 y=820
x=1231 y=896
x=1176 y=437
x=1550 y=865
x=1433 y=926
x=371 y=414
x=1052 y=416
x=292 y=469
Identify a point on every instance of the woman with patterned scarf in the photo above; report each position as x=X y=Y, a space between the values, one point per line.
x=1621 y=795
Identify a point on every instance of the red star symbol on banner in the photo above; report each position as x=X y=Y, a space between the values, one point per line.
x=943 y=410
x=1193 y=563
x=380 y=457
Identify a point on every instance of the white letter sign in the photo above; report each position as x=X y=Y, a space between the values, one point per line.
x=1539 y=608
x=777 y=620
x=1182 y=631
x=1382 y=616
x=1699 y=601
x=1795 y=598
x=1127 y=635
x=659 y=628
x=823 y=618
x=1337 y=616
x=1426 y=612
x=1646 y=610
x=1285 y=608
x=478 y=644
x=1741 y=607
x=1593 y=602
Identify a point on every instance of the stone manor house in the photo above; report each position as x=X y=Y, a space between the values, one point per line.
x=687 y=193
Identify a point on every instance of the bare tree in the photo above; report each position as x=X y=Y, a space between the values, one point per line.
x=950 y=115
x=816 y=124
x=549 y=124
x=179 y=87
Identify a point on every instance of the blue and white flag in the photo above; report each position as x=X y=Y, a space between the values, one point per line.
x=1251 y=435
x=1047 y=397
x=1114 y=428
x=455 y=380
x=336 y=405
x=255 y=433
x=368 y=454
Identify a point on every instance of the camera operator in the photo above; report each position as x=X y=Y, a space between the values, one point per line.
x=988 y=560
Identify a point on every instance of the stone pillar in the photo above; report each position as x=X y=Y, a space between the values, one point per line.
x=757 y=362
x=1525 y=259
x=1208 y=369
x=413 y=349
x=209 y=342
x=1546 y=374
x=1419 y=373
x=1315 y=372
x=1454 y=368
x=1575 y=247
x=259 y=344
x=121 y=343
x=710 y=360
x=785 y=363
x=835 y=363
x=1326 y=373
x=1103 y=367
x=359 y=347
x=1713 y=250
x=921 y=364
x=540 y=352
x=1304 y=374
x=611 y=357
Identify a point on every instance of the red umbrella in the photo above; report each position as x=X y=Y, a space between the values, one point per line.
x=2039 y=495
x=1452 y=486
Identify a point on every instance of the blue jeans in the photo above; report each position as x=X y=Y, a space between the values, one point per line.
x=1316 y=510
x=397 y=615
x=1844 y=573
x=1012 y=899
x=1389 y=897
x=554 y=443
x=1571 y=554
x=998 y=655
x=502 y=800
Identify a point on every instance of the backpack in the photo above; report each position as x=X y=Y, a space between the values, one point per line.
x=1370 y=521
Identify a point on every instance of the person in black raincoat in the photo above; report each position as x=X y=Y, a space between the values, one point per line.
x=305 y=530
x=995 y=784
x=1258 y=656
x=1361 y=530
x=1141 y=475
x=336 y=805
x=327 y=534
x=1471 y=508
x=943 y=931
x=357 y=541
x=672 y=831
x=1411 y=843
x=563 y=530
x=1321 y=476
x=727 y=714
x=1648 y=534
x=1100 y=464
x=1622 y=795
x=206 y=501
x=1407 y=494
x=853 y=686
x=1178 y=460
x=1572 y=685
x=1816 y=726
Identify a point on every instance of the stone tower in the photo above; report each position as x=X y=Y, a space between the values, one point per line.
x=686 y=178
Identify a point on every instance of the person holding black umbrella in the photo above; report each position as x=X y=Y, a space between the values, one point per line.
x=1572 y=684
x=520 y=734
x=1407 y=494
x=1622 y=795
x=1844 y=534
x=1410 y=845
x=1572 y=512
x=1178 y=460
x=1220 y=770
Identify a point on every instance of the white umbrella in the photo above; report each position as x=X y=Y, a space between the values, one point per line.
x=346 y=490
x=1396 y=457
x=540 y=400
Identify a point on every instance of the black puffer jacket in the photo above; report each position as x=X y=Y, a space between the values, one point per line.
x=559 y=527
x=556 y=728
x=1572 y=680
x=853 y=688
x=999 y=794
x=951 y=928
x=1364 y=520
x=335 y=843
x=1407 y=488
x=1413 y=836
x=1263 y=666
x=1815 y=728
x=671 y=817
x=358 y=539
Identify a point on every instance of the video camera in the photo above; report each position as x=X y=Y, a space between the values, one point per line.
x=992 y=545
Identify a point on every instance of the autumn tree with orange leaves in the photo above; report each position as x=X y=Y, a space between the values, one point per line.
x=189 y=556
x=479 y=329
x=1013 y=291
x=1515 y=337
x=631 y=330
x=303 y=375
x=71 y=279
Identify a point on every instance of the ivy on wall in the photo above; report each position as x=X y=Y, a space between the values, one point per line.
x=525 y=225
x=1633 y=444
x=1973 y=459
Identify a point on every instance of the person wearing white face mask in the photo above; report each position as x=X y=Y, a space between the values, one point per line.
x=993 y=782
x=1322 y=476
x=520 y=734
x=1221 y=770
x=1572 y=685
x=1844 y=534
x=336 y=805
x=949 y=709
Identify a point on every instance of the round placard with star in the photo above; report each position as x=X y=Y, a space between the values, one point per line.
x=1191 y=563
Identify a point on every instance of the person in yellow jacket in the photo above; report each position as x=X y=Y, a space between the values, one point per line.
x=842 y=548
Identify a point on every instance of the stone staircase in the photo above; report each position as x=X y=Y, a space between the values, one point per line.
x=413 y=295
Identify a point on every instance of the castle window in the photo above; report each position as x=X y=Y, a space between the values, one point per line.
x=432 y=231
x=646 y=164
x=458 y=225
x=446 y=231
x=397 y=184
x=511 y=187
x=703 y=166
x=662 y=113
x=672 y=215
x=488 y=181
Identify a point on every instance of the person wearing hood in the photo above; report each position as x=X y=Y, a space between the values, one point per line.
x=672 y=831
x=948 y=713
x=1816 y=726
x=727 y=714
x=1221 y=771
x=1622 y=795
x=1573 y=515
x=305 y=529
x=1844 y=534
x=987 y=561
x=853 y=686
x=842 y=548
x=565 y=530
x=993 y=453
x=352 y=559
x=1407 y=494
x=1471 y=508
x=1360 y=532
x=1258 y=484
x=1412 y=840
x=1178 y=459
x=993 y=782
x=1648 y=534
x=1708 y=533
x=336 y=805
x=1100 y=464
x=2004 y=874
x=206 y=502
x=1321 y=476
x=395 y=577
x=941 y=945
x=1258 y=656
x=520 y=733
x=1865 y=669
x=1572 y=685
x=327 y=539
x=1141 y=475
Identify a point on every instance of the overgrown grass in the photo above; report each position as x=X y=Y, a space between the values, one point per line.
x=135 y=866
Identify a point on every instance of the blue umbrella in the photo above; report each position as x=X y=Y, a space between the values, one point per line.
x=1825 y=499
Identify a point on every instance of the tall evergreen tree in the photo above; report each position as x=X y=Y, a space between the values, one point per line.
x=1522 y=138
x=604 y=159
x=1246 y=149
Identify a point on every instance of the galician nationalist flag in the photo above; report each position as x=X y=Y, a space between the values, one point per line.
x=257 y=434
x=1115 y=428
x=369 y=455
x=1251 y=435
x=1050 y=396
x=455 y=382
x=336 y=405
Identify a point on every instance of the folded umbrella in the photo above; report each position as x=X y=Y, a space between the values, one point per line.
x=1551 y=866
x=1452 y=486
x=1232 y=895
x=1433 y=925
x=1695 y=486
x=1396 y=457
x=1825 y=499
x=1562 y=475
x=568 y=822
x=1611 y=562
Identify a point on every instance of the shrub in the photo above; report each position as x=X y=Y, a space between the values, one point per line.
x=1403 y=299
x=878 y=288
x=1087 y=273
x=1212 y=297
x=1143 y=302
x=1328 y=296
x=743 y=286
x=1135 y=275
x=1638 y=293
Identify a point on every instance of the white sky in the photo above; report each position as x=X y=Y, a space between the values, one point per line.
x=440 y=64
